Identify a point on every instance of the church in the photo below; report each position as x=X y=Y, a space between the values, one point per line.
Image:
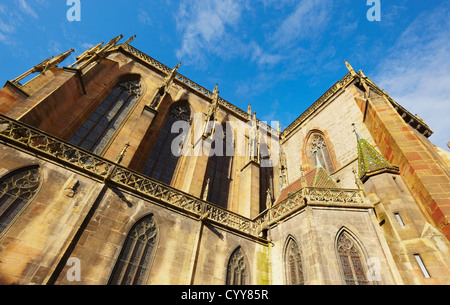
x=98 y=186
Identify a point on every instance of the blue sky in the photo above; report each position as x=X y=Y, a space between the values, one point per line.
x=278 y=55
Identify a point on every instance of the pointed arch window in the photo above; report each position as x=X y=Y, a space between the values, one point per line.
x=101 y=126
x=293 y=262
x=350 y=259
x=318 y=145
x=237 y=272
x=133 y=265
x=162 y=163
x=17 y=190
x=219 y=171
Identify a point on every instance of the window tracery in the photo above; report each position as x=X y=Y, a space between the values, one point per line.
x=350 y=259
x=237 y=273
x=133 y=265
x=162 y=162
x=294 y=266
x=17 y=189
x=100 y=127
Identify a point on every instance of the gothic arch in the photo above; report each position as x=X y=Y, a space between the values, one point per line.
x=293 y=262
x=352 y=258
x=136 y=257
x=318 y=139
x=112 y=110
x=162 y=163
x=238 y=268
x=17 y=190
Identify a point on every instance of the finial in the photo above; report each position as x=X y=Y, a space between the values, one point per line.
x=122 y=153
x=249 y=109
x=349 y=67
x=130 y=39
x=361 y=72
x=268 y=199
x=358 y=135
x=206 y=191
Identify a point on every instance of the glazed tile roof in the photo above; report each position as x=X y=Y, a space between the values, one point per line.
x=318 y=177
x=370 y=161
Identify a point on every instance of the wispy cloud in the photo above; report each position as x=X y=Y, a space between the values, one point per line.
x=416 y=71
x=25 y=7
x=144 y=18
x=204 y=24
x=308 y=19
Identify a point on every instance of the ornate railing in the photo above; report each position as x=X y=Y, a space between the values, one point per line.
x=324 y=195
x=193 y=85
x=36 y=141
x=32 y=140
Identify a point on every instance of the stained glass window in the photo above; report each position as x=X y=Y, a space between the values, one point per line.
x=133 y=265
x=351 y=263
x=17 y=189
x=101 y=126
x=294 y=266
x=162 y=163
x=237 y=273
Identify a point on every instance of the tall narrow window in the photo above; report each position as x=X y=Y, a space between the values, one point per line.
x=293 y=262
x=99 y=129
x=265 y=177
x=399 y=219
x=237 y=273
x=218 y=173
x=17 y=189
x=318 y=145
x=422 y=266
x=162 y=163
x=351 y=265
x=133 y=265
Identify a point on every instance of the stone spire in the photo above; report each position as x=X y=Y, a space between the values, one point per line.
x=370 y=161
x=47 y=64
x=163 y=89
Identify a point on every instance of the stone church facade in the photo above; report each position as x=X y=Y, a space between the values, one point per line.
x=91 y=192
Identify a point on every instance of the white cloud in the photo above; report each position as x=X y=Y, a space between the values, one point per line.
x=144 y=18
x=27 y=9
x=416 y=71
x=309 y=18
x=203 y=25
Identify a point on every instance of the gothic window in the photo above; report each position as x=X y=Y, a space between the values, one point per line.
x=266 y=177
x=101 y=126
x=17 y=189
x=237 y=273
x=350 y=258
x=293 y=261
x=218 y=174
x=162 y=163
x=133 y=265
x=318 y=145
